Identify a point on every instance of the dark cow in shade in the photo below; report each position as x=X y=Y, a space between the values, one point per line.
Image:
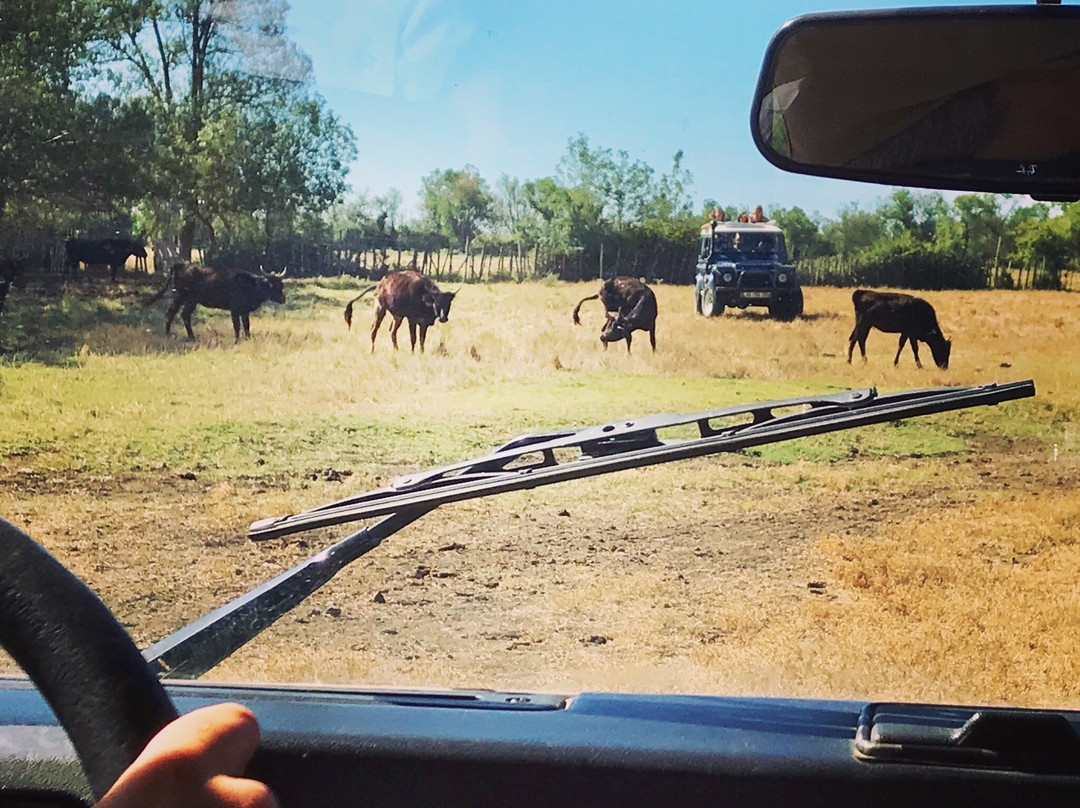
x=10 y=270
x=629 y=305
x=110 y=252
x=910 y=317
x=240 y=293
x=407 y=295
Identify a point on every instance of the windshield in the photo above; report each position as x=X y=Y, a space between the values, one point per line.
x=743 y=246
x=318 y=246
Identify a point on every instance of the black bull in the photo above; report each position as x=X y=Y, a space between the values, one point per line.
x=110 y=252
x=240 y=293
x=629 y=306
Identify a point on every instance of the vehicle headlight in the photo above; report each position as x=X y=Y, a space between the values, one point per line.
x=728 y=277
x=782 y=277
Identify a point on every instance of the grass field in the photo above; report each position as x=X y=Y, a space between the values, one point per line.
x=933 y=559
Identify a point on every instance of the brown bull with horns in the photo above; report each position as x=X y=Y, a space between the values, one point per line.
x=406 y=295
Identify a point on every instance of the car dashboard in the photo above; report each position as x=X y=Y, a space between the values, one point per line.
x=344 y=747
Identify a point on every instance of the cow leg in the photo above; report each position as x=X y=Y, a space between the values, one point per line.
x=236 y=326
x=185 y=315
x=904 y=339
x=858 y=335
x=246 y=317
x=412 y=337
x=852 y=340
x=423 y=336
x=652 y=338
x=170 y=314
x=628 y=341
x=394 y=329
x=380 y=312
x=915 y=351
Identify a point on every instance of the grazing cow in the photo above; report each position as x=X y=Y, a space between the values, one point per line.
x=629 y=306
x=110 y=252
x=239 y=292
x=912 y=317
x=406 y=295
x=10 y=270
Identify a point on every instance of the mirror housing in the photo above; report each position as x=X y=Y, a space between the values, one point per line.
x=925 y=97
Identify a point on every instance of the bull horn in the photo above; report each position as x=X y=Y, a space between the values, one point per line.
x=280 y=274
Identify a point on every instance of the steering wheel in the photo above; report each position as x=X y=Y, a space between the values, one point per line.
x=83 y=662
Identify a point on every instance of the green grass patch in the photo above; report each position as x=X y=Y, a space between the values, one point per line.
x=294 y=448
x=91 y=382
x=921 y=437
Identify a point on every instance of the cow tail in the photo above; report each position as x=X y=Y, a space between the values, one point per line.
x=164 y=288
x=577 y=308
x=348 y=307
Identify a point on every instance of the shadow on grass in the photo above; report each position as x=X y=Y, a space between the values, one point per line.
x=761 y=314
x=52 y=319
x=48 y=321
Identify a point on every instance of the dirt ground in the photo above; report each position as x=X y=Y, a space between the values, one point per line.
x=572 y=587
x=855 y=576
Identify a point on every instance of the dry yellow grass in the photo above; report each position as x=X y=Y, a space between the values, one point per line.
x=878 y=577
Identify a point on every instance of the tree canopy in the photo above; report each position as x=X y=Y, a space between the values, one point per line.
x=196 y=115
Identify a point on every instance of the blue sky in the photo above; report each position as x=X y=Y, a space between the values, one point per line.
x=434 y=84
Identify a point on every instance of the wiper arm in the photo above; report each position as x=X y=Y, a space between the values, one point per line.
x=528 y=462
x=191 y=651
x=531 y=461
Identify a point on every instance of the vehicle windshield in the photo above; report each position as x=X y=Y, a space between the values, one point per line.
x=742 y=246
x=260 y=256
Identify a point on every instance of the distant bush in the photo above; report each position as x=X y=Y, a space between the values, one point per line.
x=906 y=265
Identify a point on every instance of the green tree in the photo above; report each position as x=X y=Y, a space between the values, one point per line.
x=569 y=217
x=982 y=227
x=237 y=132
x=856 y=230
x=916 y=214
x=802 y=234
x=672 y=199
x=1051 y=244
x=63 y=151
x=624 y=187
x=457 y=203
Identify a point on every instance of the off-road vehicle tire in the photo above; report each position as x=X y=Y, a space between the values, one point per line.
x=710 y=305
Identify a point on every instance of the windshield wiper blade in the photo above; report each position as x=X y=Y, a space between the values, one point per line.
x=196 y=648
x=531 y=460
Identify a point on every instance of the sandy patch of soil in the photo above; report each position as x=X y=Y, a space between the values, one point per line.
x=614 y=583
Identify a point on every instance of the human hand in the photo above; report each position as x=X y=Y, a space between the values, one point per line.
x=197 y=761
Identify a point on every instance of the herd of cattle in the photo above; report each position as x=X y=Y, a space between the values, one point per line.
x=407 y=295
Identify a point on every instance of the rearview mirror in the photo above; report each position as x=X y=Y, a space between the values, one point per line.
x=981 y=99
